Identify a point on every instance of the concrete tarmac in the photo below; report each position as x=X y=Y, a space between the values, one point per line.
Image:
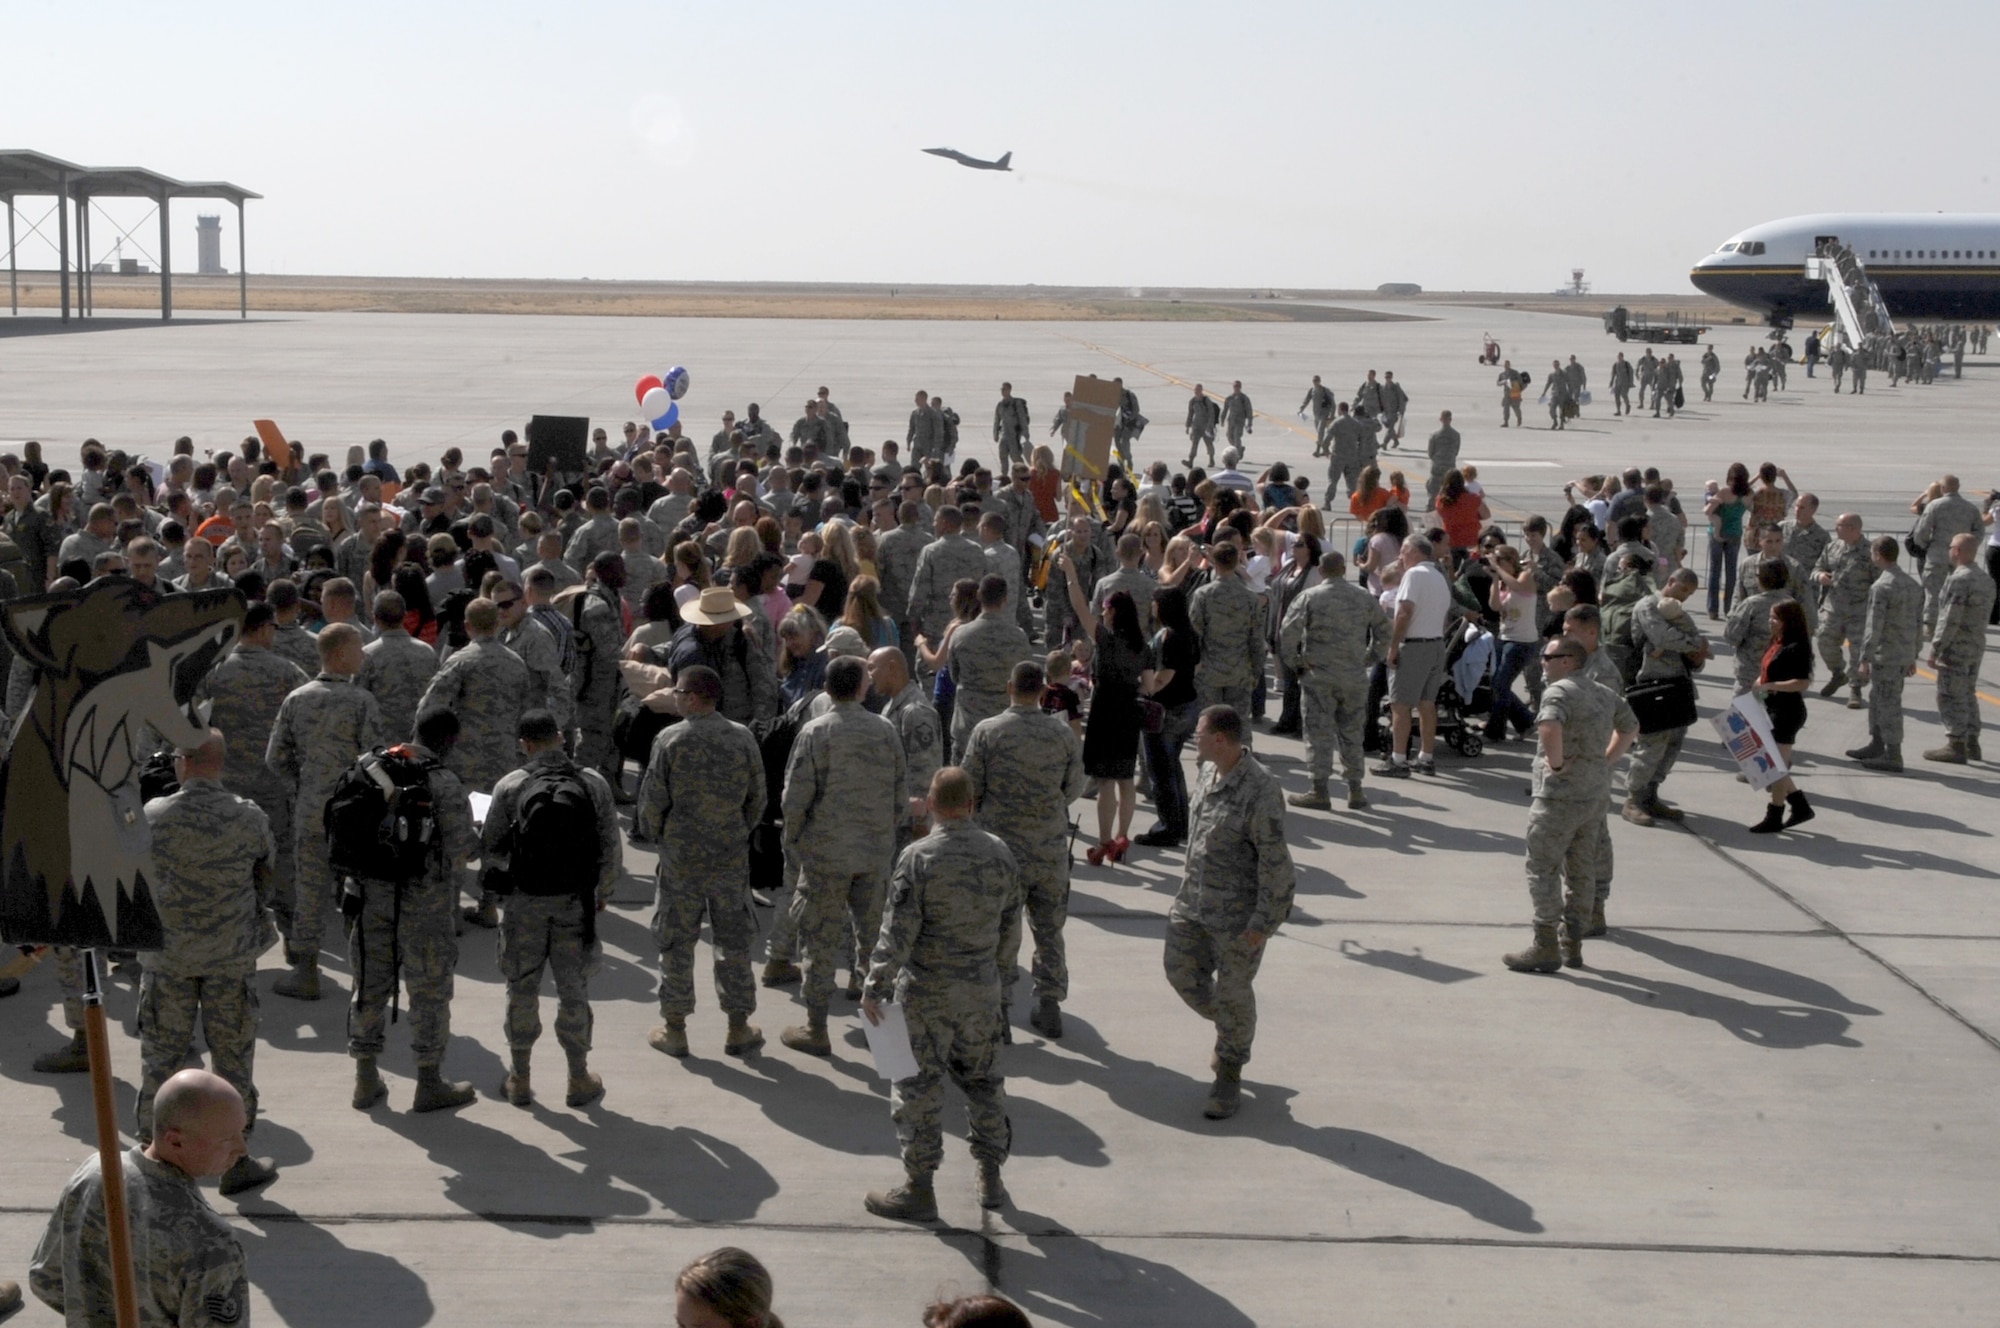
x=1770 y=1097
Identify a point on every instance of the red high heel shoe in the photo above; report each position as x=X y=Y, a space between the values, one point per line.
x=1095 y=854
x=1118 y=848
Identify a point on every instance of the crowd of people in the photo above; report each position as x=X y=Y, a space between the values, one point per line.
x=866 y=686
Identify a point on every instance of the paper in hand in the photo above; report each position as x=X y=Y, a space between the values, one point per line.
x=480 y=802
x=889 y=1042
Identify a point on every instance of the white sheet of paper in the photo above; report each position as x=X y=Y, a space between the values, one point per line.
x=480 y=802
x=889 y=1041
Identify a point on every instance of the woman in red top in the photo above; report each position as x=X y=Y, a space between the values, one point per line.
x=1781 y=683
x=1045 y=483
x=1461 y=512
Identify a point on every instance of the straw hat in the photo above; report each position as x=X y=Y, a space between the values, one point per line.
x=718 y=604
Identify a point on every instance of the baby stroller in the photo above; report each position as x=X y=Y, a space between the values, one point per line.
x=1461 y=717
x=1490 y=353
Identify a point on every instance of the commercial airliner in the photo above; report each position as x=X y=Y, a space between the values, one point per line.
x=1926 y=265
x=974 y=162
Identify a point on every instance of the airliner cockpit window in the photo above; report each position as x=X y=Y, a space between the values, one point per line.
x=1757 y=247
x=1729 y=248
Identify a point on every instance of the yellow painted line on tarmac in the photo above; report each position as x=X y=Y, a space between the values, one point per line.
x=1987 y=697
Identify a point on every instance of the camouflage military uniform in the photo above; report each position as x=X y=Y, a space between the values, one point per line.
x=187 y=1263
x=1228 y=618
x=1890 y=646
x=896 y=555
x=846 y=787
x=935 y=957
x=244 y=691
x=1239 y=878
x=212 y=853
x=982 y=657
x=1059 y=620
x=396 y=668
x=1749 y=631
x=548 y=685
x=943 y=562
x=1331 y=635
x=1664 y=640
x=1026 y=768
x=486 y=685
x=701 y=795
x=1943 y=518
x=598 y=534
x=597 y=683
x=1959 y=645
x=916 y=722
x=412 y=926
x=295 y=643
x=1843 y=612
x=1567 y=817
x=320 y=729
x=538 y=931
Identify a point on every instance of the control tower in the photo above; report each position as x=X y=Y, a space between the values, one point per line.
x=208 y=246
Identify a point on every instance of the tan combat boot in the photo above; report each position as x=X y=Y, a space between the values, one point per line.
x=1572 y=939
x=809 y=1037
x=247 y=1173
x=1225 y=1096
x=1596 y=925
x=517 y=1088
x=1952 y=753
x=1356 y=800
x=73 y=1057
x=585 y=1084
x=1889 y=760
x=992 y=1193
x=1314 y=799
x=436 y=1093
x=1636 y=813
x=744 y=1037
x=670 y=1037
x=779 y=973
x=302 y=983
x=1541 y=957
x=368 y=1086
x=912 y=1201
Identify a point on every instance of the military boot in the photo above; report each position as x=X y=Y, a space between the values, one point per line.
x=779 y=973
x=436 y=1093
x=1596 y=926
x=1868 y=751
x=913 y=1201
x=486 y=913
x=73 y=1057
x=810 y=1037
x=744 y=1037
x=302 y=983
x=1889 y=760
x=1572 y=939
x=1636 y=813
x=1313 y=800
x=247 y=1173
x=1972 y=747
x=670 y=1037
x=1226 y=1094
x=585 y=1084
x=1046 y=1018
x=1834 y=683
x=368 y=1086
x=1541 y=957
x=1355 y=799
x=992 y=1193
x=516 y=1088
x=1952 y=753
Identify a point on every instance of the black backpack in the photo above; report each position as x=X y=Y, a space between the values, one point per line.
x=555 y=850
x=382 y=822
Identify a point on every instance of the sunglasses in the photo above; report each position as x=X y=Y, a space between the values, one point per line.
x=1551 y=657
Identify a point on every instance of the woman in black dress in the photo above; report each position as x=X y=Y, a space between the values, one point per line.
x=1788 y=668
x=1122 y=670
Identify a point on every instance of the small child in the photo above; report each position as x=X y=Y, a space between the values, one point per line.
x=1058 y=697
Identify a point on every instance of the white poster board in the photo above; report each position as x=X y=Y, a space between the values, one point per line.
x=1746 y=733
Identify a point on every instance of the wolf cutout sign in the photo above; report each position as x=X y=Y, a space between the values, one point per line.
x=116 y=665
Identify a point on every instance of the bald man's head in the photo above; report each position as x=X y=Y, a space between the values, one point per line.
x=888 y=671
x=198 y=1121
x=205 y=761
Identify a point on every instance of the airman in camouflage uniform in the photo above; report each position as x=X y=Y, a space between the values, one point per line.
x=409 y=924
x=945 y=561
x=896 y=555
x=982 y=655
x=1582 y=728
x=1889 y=649
x=916 y=722
x=701 y=796
x=936 y=958
x=845 y=789
x=320 y=729
x=1948 y=515
x=597 y=684
x=550 y=931
x=1957 y=648
x=1669 y=646
x=1228 y=619
x=1331 y=635
x=525 y=635
x=1749 y=625
x=187 y=1264
x=1345 y=435
x=244 y=692
x=1844 y=570
x=486 y=685
x=212 y=854
x=1026 y=767
x=597 y=535
x=396 y=669
x=1236 y=891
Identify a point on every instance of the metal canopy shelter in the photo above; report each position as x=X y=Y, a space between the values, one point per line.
x=36 y=174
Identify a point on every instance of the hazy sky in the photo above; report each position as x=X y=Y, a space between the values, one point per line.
x=1459 y=145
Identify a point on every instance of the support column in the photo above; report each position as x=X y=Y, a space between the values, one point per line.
x=166 y=262
x=62 y=238
x=13 y=271
x=83 y=274
x=242 y=268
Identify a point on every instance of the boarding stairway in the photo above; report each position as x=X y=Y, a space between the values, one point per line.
x=1857 y=304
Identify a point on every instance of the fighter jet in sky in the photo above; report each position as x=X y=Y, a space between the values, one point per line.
x=974 y=162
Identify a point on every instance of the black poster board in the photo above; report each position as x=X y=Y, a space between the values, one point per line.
x=563 y=439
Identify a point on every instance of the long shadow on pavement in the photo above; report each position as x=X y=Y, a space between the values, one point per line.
x=689 y=1171
x=1063 y=1278
x=512 y=1184
x=1739 y=972
x=1412 y=964
x=314 y=1281
x=1168 y=1097
x=1778 y=1027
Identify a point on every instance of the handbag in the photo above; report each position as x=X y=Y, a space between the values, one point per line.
x=1680 y=398
x=1152 y=715
x=1661 y=705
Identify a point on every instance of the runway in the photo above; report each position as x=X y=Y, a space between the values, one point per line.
x=1770 y=1098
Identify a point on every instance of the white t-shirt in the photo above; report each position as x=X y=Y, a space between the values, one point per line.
x=1428 y=594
